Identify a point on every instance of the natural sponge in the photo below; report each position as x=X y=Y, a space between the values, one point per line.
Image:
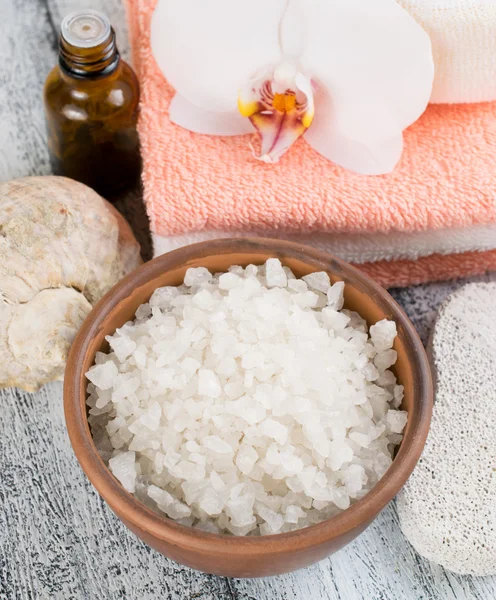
x=448 y=507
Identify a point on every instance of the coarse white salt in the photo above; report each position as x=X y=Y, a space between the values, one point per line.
x=197 y=276
x=247 y=402
x=335 y=296
x=103 y=375
x=123 y=467
x=318 y=281
x=275 y=274
x=208 y=383
x=383 y=334
x=122 y=346
x=217 y=444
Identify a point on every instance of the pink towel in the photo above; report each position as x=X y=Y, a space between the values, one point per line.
x=446 y=180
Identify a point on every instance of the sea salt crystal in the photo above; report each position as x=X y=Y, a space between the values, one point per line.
x=162 y=297
x=236 y=269
x=122 y=346
x=341 y=498
x=334 y=319
x=197 y=276
x=143 y=311
x=385 y=359
x=354 y=478
x=362 y=439
x=203 y=300
x=386 y=379
x=293 y=513
x=319 y=281
x=103 y=375
x=217 y=444
x=251 y=271
x=396 y=420
x=370 y=372
x=103 y=398
x=274 y=520
x=151 y=418
x=211 y=502
x=140 y=357
x=247 y=402
x=335 y=295
x=306 y=299
x=190 y=365
x=168 y=504
x=382 y=462
x=227 y=366
x=357 y=323
x=339 y=454
x=398 y=396
x=297 y=285
x=275 y=274
x=208 y=383
x=246 y=458
x=291 y=464
x=229 y=281
x=240 y=510
x=216 y=481
x=161 y=497
x=123 y=468
x=383 y=334
x=275 y=430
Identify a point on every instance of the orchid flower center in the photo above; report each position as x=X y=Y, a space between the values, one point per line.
x=280 y=105
x=284 y=102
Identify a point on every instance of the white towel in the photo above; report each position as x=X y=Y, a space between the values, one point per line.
x=361 y=248
x=463 y=34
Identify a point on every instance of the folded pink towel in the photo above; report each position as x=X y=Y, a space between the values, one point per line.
x=194 y=183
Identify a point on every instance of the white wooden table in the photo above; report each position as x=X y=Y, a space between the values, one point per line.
x=58 y=539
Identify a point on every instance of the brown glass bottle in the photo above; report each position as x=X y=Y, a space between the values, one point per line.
x=91 y=104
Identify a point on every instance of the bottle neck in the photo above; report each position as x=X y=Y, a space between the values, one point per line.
x=94 y=62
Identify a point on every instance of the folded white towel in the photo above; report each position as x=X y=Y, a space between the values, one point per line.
x=361 y=248
x=463 y=34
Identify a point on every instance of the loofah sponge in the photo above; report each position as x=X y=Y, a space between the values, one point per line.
x=447 y=509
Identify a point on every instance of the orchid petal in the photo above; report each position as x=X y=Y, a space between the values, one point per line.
x=374 y=158
x=209 y=50
x=291 y=32
x=374 y=60
x=378 y=158
x=199 y=120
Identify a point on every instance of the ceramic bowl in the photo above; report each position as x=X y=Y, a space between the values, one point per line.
x=223 y=554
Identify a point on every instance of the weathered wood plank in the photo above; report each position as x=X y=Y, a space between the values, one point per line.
x=58 y=540
x=27 y=53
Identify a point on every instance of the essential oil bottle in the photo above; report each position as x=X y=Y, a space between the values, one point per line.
x=91 y=103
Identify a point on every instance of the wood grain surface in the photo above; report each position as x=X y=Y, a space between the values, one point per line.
x=58 y=540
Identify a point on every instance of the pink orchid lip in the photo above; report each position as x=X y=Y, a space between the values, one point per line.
x=281 y=117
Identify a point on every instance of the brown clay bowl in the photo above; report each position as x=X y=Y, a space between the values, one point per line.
x=229 y=555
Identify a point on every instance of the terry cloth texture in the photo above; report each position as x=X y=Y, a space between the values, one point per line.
x=212 y=186
x=463 y=35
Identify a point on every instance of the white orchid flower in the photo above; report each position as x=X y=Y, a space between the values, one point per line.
x=348 y=75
